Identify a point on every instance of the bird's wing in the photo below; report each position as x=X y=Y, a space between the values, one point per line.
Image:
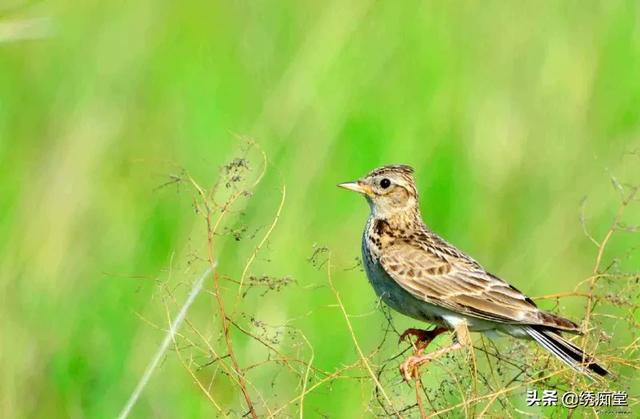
x=448 y=279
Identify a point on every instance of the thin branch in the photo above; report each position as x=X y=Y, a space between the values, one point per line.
x=206 y=391
x=596 y=267
x=305 y=379
x=355 y=340
x=168 y=338
x=263 y=241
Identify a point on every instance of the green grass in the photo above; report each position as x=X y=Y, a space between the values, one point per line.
x=510 y=112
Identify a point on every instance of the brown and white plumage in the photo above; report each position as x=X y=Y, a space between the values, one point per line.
x=421 y=275
x=438 y=273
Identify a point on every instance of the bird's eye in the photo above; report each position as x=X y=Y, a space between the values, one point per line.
x=385 y=183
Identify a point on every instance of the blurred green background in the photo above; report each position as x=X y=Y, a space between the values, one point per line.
x=511 y=113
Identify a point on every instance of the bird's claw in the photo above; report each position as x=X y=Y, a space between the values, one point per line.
x=409 y=368
x=422 y=335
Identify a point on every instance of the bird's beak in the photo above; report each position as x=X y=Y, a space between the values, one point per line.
x=356 y=186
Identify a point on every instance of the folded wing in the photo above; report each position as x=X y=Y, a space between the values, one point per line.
x=446 y=278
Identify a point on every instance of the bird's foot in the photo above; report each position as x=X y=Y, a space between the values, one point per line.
x=423 y=337
x=418 y=333
x=409 y=368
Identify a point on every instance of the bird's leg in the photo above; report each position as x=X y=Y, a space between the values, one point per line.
x=423 y=337
x=410 y=366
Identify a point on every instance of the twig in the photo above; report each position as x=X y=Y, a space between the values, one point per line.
x=305 y=379
x=262 y=242
x=423 y=413
x=168 y=338
x=211 y=229
x=206 y=391
x=332 y=376
x=363 y=358
x=596 y=267
x=230 y=351
x=499 y=392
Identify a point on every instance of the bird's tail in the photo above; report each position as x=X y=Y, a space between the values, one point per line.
x=566 y=351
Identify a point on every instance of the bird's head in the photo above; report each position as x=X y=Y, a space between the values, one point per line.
x=390 y=190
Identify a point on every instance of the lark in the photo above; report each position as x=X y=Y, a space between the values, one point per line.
x=419 y=274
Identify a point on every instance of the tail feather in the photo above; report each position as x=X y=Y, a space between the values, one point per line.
x=566 y=351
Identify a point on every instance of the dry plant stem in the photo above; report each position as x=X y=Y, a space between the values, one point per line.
x=458 y=384
x=305 y=379
x=423 y=413
x=220 y=300
x=193 y=375
x=363 y=358
x=507 y=390
x=284 y=359
x=169 y=337
x=494 y=378
x=166 y=330
x=230 y=351
x=211 y=229
x=561 y=295
x=596 y=268
x=262 y=242
x=211 y=350
x=488 y=405
x=210 y=207
x=474 y=364
x=330 y=377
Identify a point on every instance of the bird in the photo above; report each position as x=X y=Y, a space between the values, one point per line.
x=419 y=274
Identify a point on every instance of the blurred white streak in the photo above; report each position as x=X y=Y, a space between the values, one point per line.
x=26 y=29
x=169 y=337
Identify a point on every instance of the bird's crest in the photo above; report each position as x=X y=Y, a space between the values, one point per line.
x=392 y=168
